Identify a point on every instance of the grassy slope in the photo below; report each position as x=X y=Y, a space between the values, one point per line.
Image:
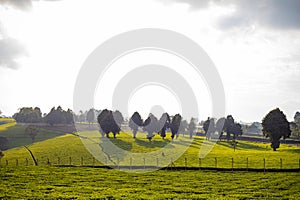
x=92 y=183
x=70 y=145
x=16 y=137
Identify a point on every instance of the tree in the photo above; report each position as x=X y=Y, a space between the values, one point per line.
x=175 y=125
x=276 y=126
x=135 y=122
x=28 y=115
x=183 y=128
x=192 y=127
x=209 y=127
x=32 y=132
x=0 y=112
x=164 y=123
x=220 y=126
x=151 y=126
x=118 y=118
x=3 y=143
x=107 y=123
x=229 y=124
x=90 y=116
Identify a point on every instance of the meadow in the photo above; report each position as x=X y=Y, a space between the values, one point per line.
x=67 y=170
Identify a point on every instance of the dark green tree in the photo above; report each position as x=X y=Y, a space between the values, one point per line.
x=135 y=122
x=107 y=123
x=175 y=125
x=164 y=124
x=220 y=126
x=276 y=126
x=151 y=126
x=209 y=127
x=183 y=128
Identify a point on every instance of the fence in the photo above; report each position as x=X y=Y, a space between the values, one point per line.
x=216 y=163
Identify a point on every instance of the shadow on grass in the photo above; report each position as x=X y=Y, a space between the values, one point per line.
x=240 y=145
x=153 y=143
x=16 y=136
x=127 y=146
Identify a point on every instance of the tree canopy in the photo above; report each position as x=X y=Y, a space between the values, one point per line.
x=276 y=126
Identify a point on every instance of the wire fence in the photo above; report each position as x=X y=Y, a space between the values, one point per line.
x=215 y=163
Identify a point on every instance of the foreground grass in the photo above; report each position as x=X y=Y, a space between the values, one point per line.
x=93 y=183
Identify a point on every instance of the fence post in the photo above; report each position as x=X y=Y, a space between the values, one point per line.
x=48 y=161
x=171 y=163
x=232 y=164
x=280 y=163
x=144 y=163
x=17 y=162
x=216 y=162
x=299 y=164
x=70 y=160
x=58 y=160
x=185 y=162
x=26 y=162
x=264 y=164
x=247 y=163
x=81 y=161
x=6 y=162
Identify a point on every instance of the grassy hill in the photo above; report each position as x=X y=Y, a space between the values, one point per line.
x=66 y=146
x=16 y=134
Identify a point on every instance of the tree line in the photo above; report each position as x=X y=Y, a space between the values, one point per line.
x=275 y=125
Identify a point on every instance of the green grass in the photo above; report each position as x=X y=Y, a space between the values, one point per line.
x=66 y=146
x=92 y=183
x=16 y=134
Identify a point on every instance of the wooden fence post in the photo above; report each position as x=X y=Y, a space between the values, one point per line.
x=81 y=161
x=17 y=162
x=6 y=162
x=48 y=161
x=26 y=162
x=70 y=160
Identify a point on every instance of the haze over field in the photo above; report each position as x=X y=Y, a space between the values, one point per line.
x=254 y=45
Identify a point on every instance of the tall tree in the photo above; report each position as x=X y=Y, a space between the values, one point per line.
x=209 y=127
x=276 y=126
x=135 y=122
x=192 y=127
x=118 y=118
x=183 y=128
x=175 y=125
x=107 y=123
x=90 y=116
x=151 y=126
x=28 y=115
x=229 y=124
x=220 y=126
x=164 y=124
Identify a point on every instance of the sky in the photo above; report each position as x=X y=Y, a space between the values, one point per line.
x=255 y=46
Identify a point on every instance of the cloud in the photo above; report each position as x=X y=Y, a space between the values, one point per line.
x=278 y=14
x=10 y=51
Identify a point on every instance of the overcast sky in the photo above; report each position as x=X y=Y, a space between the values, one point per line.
x=254 y=44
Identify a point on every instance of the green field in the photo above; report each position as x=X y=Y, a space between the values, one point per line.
x=93 y=183
x=63 y=182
